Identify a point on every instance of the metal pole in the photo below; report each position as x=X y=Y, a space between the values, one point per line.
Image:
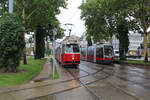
x=70 y=32
x=10 y=6
x=53 y=56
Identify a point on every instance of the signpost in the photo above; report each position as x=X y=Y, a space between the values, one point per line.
x=10 y=6
x=53 y=33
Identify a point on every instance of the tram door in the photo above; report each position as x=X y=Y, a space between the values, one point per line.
x=99 y=54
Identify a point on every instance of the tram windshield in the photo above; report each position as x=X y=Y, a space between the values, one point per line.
x=108 y=50
x=72 y=48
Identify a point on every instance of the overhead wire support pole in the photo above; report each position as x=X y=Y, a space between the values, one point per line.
x=53 y=56
x=53 y=33
x=70 y=29
x=10 y=6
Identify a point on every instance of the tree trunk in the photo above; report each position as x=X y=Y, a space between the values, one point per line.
x=111 y=39
x=40 y=43
x=34 y=43
x=145 y=47
x=24 y=30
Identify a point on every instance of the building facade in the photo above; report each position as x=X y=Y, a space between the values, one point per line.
x=134 y=42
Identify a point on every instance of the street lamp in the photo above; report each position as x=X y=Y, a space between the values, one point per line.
x=10 y=6
x=53 y=33
x=70 y=29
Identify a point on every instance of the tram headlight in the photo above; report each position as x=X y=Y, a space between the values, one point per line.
x=73 y=58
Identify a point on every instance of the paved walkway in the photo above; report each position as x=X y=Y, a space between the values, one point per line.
x=45 y=73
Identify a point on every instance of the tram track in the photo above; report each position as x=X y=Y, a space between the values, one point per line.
x=101 y=69
x=90 y=74
x=82 y=84
x=79 y=81
x=59 y=82
x=108 y=75
x=98 y=71
x=125 y=79
x=98 y=79
x=120 y=77
x=111 y=74
x=86 y=87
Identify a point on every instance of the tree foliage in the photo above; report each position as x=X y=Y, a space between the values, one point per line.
x=3 y=6
x=11 y=44
x=141 y=13
x=34 y=13
x=40 y=13
x=122 y=35
x=94 y=20
x=102 y=18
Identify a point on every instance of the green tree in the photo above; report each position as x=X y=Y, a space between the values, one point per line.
x=105 y=18
x=141 y=12
x=122 y=35
x=39 y=13
x=94 y=20
x=88 y=38
x=102 y=16
x=3 y=6
x=11 y=44
x=40 y=43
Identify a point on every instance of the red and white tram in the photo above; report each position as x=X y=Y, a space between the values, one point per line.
x=68 y=54
x=100 y=53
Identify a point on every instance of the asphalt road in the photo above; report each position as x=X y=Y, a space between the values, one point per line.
x=103 y=82
x=88 y=81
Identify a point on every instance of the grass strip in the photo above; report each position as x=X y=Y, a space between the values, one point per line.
x=56 y=76
x=140 y=62
x=29 y=71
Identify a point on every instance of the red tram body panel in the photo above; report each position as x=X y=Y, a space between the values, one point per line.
x=71 y=59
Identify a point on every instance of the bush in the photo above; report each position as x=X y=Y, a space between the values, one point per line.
x=11 y=42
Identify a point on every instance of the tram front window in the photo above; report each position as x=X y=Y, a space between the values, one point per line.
x=72 y=48
x=108 y=51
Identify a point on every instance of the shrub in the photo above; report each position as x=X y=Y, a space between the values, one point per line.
x=11 y=42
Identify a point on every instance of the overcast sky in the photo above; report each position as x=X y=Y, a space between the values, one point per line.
x=72 y=15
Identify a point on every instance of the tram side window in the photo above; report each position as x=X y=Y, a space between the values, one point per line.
x=75 y=48
x=69 y=48
x=108 y=50
x=91 y=52
x=99 y=52
x=72 y=48
x=83 y=51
